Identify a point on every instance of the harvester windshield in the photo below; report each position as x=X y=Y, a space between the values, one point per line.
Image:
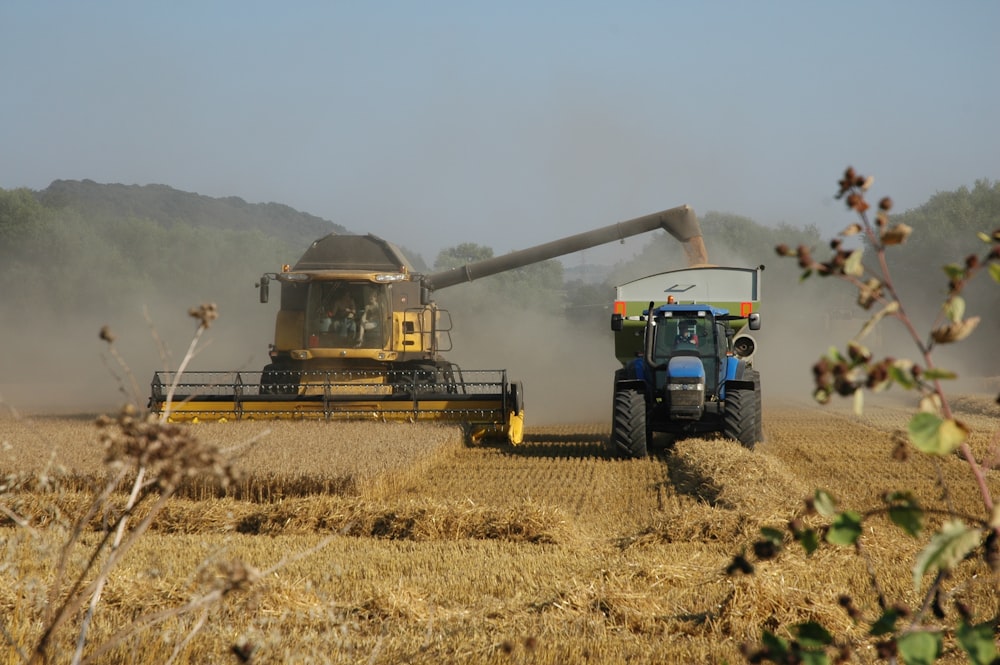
x=342 y=314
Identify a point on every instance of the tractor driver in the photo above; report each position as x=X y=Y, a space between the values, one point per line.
x=687 y=333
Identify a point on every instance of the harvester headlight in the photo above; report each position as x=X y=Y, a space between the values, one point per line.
x=390 y=277
x=294 y=277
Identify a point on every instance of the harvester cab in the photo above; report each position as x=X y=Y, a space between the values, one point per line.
x=687 y=368
x=358 y=336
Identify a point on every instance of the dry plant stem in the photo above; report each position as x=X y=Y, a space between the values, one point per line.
x=11 y=642
x=161 y=348
x=872 y=575
x=932 y=592
x=74 y=537
x=135 y=396
x=202 y=602
x=101 y=581
x=198 y=625
x=180 y=371
x=148 y=621
x=15 y=518
x=75 y=600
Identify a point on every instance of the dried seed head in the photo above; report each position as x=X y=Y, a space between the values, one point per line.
x=169 y=452
x=205 y=313
x=107 y=335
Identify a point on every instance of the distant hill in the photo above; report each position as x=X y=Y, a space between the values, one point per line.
x=168 y=206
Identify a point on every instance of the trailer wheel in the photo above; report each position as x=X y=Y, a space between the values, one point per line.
x=739 y=419
x=628 y=430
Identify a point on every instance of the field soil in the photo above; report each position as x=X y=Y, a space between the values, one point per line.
x=382 y=543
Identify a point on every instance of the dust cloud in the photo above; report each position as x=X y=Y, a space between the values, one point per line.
x=566 y=370
x=56 y=363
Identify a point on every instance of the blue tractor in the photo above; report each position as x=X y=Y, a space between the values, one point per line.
x=692 y=375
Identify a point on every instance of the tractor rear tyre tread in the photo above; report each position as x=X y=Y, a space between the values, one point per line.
x=754 y=375
x=740 y=418
x=629 y=435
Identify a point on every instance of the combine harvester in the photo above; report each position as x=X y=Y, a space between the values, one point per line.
x=683 y=339
x=358 y=336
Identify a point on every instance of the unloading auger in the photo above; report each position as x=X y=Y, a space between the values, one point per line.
x=359 y=337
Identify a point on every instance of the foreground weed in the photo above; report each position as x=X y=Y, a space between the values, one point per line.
x=911 y=634
x=148 y=459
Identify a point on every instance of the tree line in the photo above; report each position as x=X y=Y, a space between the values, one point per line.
x=83 y=245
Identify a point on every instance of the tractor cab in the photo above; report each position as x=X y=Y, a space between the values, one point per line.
x=686 y=348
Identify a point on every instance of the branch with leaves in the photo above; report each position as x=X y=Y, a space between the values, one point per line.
x=902 y=633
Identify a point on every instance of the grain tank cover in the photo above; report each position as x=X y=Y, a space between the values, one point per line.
x=353 y=252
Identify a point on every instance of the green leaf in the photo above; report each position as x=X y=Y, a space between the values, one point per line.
x=947 y=548
x=954 y=271
x=994 y=269
x=810 y=540
x=901 y=372
x=978 y=643
x=812 y=635
x=814 y=658
x=772 y=535
x=919 y=647
x=825 y=504
x=955 y=309
x=886 y=623
x=934 y=435
x=777 y=647
x=984 y=237
x=937 y=373
x=845 y=530
x=905 y=512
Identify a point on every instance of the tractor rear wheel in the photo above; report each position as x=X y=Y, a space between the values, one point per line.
x=628 y=429
x=754 y=375
x=740 y=417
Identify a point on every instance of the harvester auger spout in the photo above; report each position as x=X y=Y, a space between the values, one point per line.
x=680 y=222
x=359 y=337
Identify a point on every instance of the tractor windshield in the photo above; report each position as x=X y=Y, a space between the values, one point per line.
x=699 y=336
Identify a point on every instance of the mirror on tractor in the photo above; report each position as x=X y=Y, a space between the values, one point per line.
x=263 y=286
x=754 y=321
x=616 y=322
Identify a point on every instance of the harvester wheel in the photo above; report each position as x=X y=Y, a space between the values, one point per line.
x=740 y=418
x=628 y=430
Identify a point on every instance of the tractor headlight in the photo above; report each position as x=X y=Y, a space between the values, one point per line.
x=685 y=386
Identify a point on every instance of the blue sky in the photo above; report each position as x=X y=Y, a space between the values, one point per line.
x=505 y=124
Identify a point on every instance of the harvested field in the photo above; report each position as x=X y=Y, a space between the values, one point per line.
x=387 y=543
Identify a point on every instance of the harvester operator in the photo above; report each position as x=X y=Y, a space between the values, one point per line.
x=342 y=312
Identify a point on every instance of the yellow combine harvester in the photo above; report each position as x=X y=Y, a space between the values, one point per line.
x=358 y=336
